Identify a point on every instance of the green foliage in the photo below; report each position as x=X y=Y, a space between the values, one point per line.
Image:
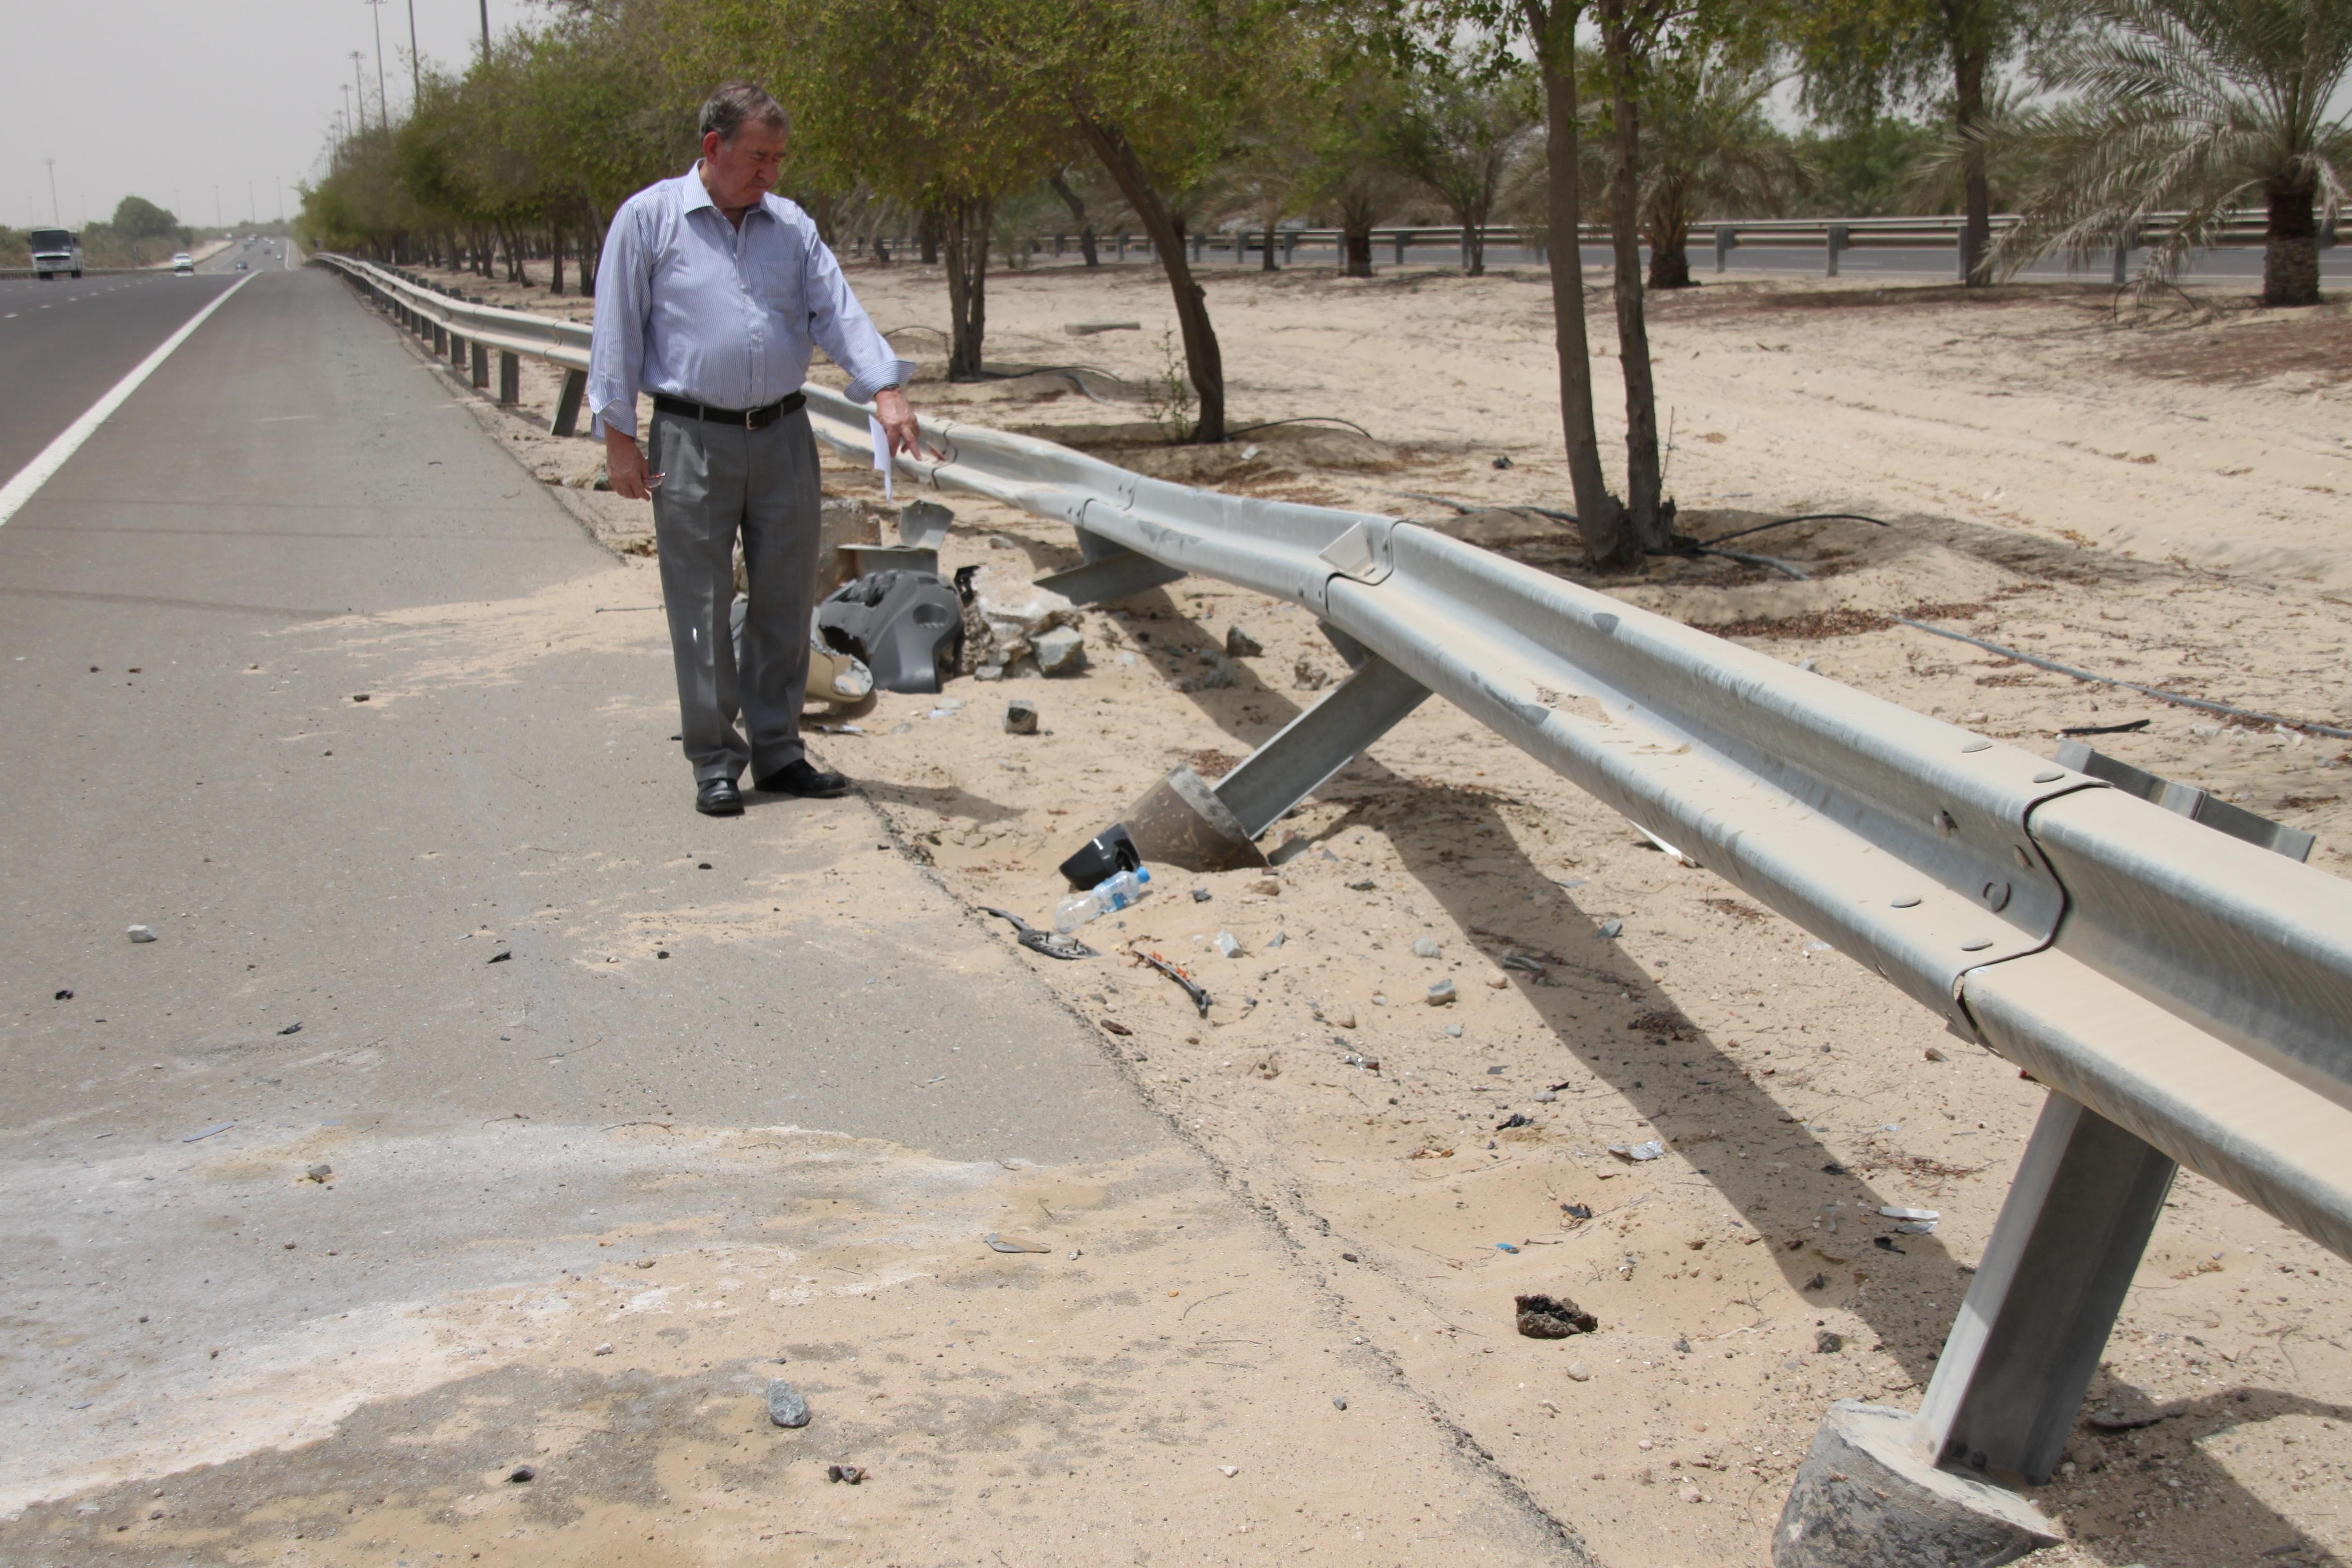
x=2198 y=105
x=1862 y=167
x=137 y=218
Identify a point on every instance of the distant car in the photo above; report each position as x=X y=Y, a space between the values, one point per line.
x=240 y=267
x=55 y=250
x=183 y=262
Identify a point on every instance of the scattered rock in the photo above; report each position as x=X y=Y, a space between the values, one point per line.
x=1229 y=944
x=1229 y=1471
x=1546 y=1096
x=1350 y=1257
x=1267 y=887
x=785 y=1406
x=140 y=933
x=1828 y=1341
x=293 y=1029
x=521 y=1473
x=604 y=1349
x=1200 y=895
x=1338 y=1402
x=1517 y=1119
x=1366 y=885
x=850 y=1474
x=1935 y=1054
x=1308 y=676
x=1239 y=644
x=1427 y=947
x=360 y=697
x=1061 y=651
x=1681 y=1344
x=1651 y=1150
x=1818 y=1282
x=1611 y=929
x=1453 y=1031
x=1442 y=994
x=1553 y=1318
x=1579 y=1373
x=1021 y=718
x=64 y=996
x=319 y=1172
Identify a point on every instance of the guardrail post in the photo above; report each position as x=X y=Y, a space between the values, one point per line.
x=1107 y=570
x=1727 y=240
x=567 y=404
x=1197 y=241
x=2123 y=239
x=481 y=369
x=2327 y=232
x=457 y=352
x=1122 y=245
x=2009 y=1381
x=1838 y=235
x=509 y=378
x=1186 y=822
x=1964 y=257
x=1403 y=238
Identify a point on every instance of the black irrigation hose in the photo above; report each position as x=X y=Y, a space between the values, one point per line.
x=1806 y=517
x=1311 y=419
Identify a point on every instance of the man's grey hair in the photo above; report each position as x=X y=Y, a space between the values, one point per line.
x=731 y=105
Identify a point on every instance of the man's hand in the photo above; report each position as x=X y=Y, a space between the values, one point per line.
x=625 y=467
x=898 y=421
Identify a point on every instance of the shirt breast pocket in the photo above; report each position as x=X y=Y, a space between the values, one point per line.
x=778 y=283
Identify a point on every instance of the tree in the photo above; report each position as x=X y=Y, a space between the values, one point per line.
x=1351 y=172
x=2190 y=104
x=1708 y=147
x=137 y=218
x=1461 y=123
x=1860 y=56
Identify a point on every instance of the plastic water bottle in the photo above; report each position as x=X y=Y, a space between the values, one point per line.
x=1113 y=892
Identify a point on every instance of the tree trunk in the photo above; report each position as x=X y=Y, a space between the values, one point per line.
x=1266 y=263
x=1653 y=525
x=966 y=234
x=2291 y=250
x=1968 y=113
x=1669 y=269
x=555 y=259
x=1474 y=233
x=1077 y=216
x=1600 y=516
x=926 y=235
x=1203 y=359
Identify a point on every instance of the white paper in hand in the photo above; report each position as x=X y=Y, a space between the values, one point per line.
x=881 y=454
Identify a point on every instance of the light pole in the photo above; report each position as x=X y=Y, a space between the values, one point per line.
x=416 y=76
x=358 y=83
x=52 y=163
x=382 y=109
x=485 y=32
x=252 y=212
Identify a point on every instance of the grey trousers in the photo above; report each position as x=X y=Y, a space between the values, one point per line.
x=720 y=482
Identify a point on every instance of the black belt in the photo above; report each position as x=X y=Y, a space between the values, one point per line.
x=742 y=418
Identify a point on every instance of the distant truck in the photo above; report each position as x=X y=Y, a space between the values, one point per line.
x=54 y=252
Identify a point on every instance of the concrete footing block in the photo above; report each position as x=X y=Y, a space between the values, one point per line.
x=1181 y=821
x=1870 y=1496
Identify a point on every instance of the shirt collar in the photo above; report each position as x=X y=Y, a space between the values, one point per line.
x=698 y=195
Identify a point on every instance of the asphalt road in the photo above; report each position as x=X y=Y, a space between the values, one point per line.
x=293 y=510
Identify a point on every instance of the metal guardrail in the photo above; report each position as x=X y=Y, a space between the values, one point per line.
x=2186 y=997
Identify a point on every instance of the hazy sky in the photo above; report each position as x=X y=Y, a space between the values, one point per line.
x=165 y=99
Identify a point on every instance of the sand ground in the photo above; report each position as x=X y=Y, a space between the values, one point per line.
x=2153 y=494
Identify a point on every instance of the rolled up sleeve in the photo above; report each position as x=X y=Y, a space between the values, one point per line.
x=841 y=327
x=616 y=346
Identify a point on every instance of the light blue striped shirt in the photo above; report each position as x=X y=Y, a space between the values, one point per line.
x=689 y=305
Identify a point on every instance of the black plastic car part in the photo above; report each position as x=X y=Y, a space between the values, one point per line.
x=907 y=626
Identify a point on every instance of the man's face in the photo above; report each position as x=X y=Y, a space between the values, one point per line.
x=742 y=172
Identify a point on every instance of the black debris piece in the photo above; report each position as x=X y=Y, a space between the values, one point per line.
x=1553 y=1318
x=499 y=958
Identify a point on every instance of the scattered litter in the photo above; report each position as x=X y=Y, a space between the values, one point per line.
x=1517 y=1119
x=1553 y=1318
x=785 y=1406
x=1453 y=1031
x=1817 y=945
x=1681 y=1344
x=503 y=957
x=1612 y=928
x=1013 y=1243
x=1239 y=644
x=139 y=933
x=1367 y=1064
x=1651 y=1150
x=1200 y=895
x=1113 y=893
x=1229 y=1471
x=1818 y=1282
x=1917 y=1227
x=1021 y=718
x=850 y=1474
x=1884 y=1244
x=1053 y=945
x=1935 y=1054
x=1088 y=329
x=1229 y=944
x=1496 y=1071
x=1891 y=1212
x=520 y=1473
x=1338 y=1402
x=207 y=1132
x=64 y=996
x=1426 y=947
x=1276 y=940
x=1506 y=1246
x=1577 y=1212
x=1366 y=885
x=1114 y=1026
x=319 y=1172
x=1502 y=462
x=1828 y=1341
x=1191 y=987
x=1525 y=966
x=1442 y=994
x=293 y=1029
x=1834 y=1169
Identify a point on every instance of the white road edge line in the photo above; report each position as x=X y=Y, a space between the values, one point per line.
x=38 y=472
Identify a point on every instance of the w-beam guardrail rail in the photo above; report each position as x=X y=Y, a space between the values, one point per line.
x=2185 y=996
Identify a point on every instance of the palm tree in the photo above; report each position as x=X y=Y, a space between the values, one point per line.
x=2199 y=105
x=1709 y=146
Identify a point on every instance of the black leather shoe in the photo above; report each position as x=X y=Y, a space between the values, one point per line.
x=802 y=779
x=719 y=797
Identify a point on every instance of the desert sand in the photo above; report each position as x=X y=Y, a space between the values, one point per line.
x=2153 y=493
